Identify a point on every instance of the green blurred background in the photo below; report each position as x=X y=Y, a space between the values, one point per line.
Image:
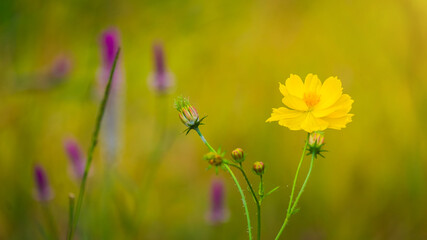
x=228 y=57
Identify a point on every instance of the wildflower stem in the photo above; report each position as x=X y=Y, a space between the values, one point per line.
x=204 y=140
x=257 y=202
x=71 y=214
x=92 y=147
x=243 y=200
x=289 y=211
x=50 y=220
x=245 y=205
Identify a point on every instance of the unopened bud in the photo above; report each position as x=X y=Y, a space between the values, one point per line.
x=213 y=159
x=315 y=142
x=187 y=113
x=238 y=155
x=258 y=168
x=316 y=139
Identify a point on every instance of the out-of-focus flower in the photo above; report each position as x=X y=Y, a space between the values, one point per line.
x=43 y=189
x=238 y=155
x=60 y=67
x=258 y=168
x=161 y=80
x=75 y=155
x=109 y=45
x=218 y=212
x=187 y=113
x=316 y=140
x=311 y=106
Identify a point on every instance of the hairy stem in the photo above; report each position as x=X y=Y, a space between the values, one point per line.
x=257 y=202
x=245 y=205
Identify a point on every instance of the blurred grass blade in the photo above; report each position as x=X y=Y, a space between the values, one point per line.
x=92 y=147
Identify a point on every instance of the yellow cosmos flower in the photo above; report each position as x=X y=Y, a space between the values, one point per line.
x=311 y=105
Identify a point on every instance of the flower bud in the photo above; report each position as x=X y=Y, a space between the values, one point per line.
x=315 y=142
x=316 y=139
x=213 y=159
x=187 y=113
x=238 y=155
x=258 y=168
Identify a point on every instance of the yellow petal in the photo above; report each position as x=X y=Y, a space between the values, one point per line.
x=338 y=123
x=330 y=92
x=281 y=113
x=295 y=86
x=292 y=101
x=312 y=84
x=338 y=109
x=311 y=123
x=295 y=122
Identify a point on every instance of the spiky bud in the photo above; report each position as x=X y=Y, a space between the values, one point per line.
x=238 y=155
x=316 y=140
x=187 y=113
x=258 y=168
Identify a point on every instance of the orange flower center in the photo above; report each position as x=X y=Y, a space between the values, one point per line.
x=311 y=99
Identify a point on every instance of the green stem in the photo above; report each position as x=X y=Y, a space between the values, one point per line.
x=304 y=184
x=257 y=202
x=50 y=220
x=297 y=198
x=289 y=212
x=71 y=199
x=245 y=205
x=93 y=145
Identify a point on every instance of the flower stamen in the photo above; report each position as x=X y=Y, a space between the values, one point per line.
x=311 y=99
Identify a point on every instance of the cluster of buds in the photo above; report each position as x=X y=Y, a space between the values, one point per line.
x=187 y=113
x=258 y=168
x=316 y=140
x=214 y=159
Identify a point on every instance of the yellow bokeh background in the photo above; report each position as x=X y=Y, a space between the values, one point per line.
x=227 y=57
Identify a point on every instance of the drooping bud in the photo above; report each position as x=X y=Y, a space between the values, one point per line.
x=258 y=168
x=43 y=190
x=238 y=155
x=213 y=158
x=315 y=142
x=75 y=155
x=161 y=80
x=187 y=113
x=217 y=213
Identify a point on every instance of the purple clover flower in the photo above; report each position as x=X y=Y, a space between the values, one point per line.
x=75 y=155
x=109 y=43
x=43 y=190
x=218 y=212
x=161 y=81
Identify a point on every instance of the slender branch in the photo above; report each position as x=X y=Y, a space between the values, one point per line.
x=296 y=174
x=304 y=184
x=257 y=202
x=93 y=145
x=292 y=209
x=245 y=205
x=71 y=199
